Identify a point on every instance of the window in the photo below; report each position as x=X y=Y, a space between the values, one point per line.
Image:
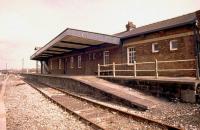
x=106 y=57
x=94 y=56
x=155 y=47
x=72 y=62
x=173 y=45
x=79 y=61
x=51 y=65
x=130 y=55
x=59 y=63
x=89 y=56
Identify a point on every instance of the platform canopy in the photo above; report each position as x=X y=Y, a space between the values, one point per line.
x=72 y=39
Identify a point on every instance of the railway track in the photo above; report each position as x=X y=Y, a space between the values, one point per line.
x=97 y=115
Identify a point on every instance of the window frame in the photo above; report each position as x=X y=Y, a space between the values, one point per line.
x=133 y=55
x=89 y=57
x=79 y=61
x=171 y=46
x=104 y=57
x=93 y=55
x=51 y=64
x=153 y=48
x=59 y=63
x=71 y=62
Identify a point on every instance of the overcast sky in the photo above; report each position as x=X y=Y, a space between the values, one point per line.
x=25 y=24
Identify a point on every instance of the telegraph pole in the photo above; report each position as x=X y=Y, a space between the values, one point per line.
x=6 y=68
x=22 y=65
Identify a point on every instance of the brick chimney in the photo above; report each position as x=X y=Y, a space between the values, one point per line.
x=37 y=48
x=130 y=26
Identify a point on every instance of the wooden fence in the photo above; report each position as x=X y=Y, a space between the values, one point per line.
x=155 y=70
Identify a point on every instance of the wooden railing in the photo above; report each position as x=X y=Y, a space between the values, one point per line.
x=156 y=69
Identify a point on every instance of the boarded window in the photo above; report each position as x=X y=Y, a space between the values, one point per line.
x=89 y=56
x=59 y=63
x=94 y=56
x=79 y=61
x=51 y=64
x=72 y=62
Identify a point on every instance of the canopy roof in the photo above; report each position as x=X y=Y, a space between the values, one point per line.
x=73 y=39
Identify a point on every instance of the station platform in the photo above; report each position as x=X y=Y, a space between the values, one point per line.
x=123 y=88
x=125 y=94
x=192 y=80
x=135 y=97
x=185 y=89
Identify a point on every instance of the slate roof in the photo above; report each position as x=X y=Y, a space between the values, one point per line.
x=158 y=26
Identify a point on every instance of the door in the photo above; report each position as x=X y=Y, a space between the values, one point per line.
x=88 y=63
x=65 y=66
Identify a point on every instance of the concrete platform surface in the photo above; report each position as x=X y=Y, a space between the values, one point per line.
x=171 y=88
x=124 y=87
x=137 y=98
x=160 y=79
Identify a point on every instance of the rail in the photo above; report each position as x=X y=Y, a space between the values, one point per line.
x=95 y=103
x=112 y=68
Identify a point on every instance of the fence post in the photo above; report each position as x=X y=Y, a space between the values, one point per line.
x=113 y=69
x=98 y=70
x=135 y=69
x=156 y=68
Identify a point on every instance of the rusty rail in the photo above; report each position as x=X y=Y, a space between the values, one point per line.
x=96 y=126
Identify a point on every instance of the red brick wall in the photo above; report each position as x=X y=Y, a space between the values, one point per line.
x=118 y=54
x=89 y=67
x=185 y=51
x=55 y=68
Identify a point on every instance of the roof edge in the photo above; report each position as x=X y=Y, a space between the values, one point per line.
x=158 y=29
x=39 y=51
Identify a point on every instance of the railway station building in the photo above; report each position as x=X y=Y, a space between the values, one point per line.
x=165 y=48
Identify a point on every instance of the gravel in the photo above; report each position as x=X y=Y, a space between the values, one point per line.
x=1 y=79
x=182 y=115
x=26 y=109
x=107 y=119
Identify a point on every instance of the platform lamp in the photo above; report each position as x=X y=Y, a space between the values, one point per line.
x=36 y=49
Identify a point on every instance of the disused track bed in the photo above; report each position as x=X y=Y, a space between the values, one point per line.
x=98 y=116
